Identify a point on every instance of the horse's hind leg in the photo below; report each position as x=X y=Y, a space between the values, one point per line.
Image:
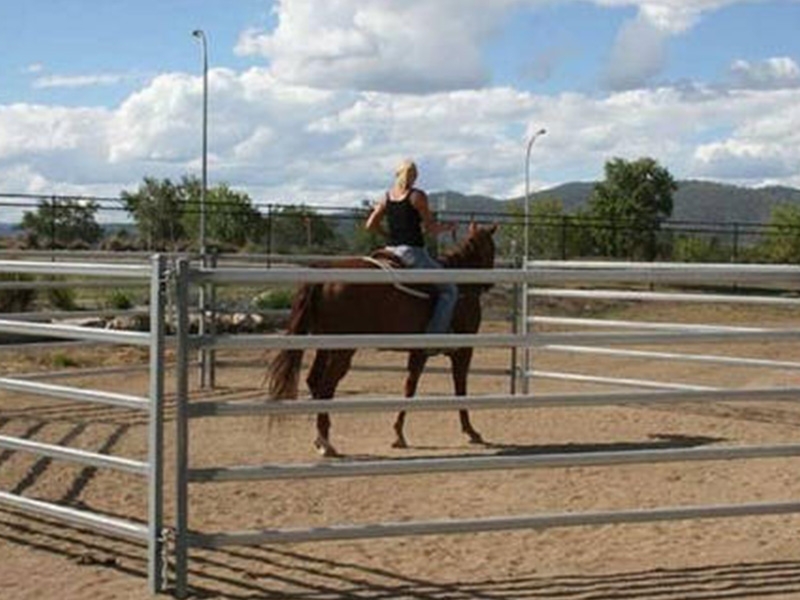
x=416 y=363
x=460 y=361
x=327 y=371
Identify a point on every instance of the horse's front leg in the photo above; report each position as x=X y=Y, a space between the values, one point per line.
x=323 y=441
x=460 y=361
x=328 y=369
x=416 y=364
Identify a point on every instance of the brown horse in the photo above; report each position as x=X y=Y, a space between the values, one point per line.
x=337 y=308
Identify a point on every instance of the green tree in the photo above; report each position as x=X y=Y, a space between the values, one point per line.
x=629 y=206
x=157 y=208
x=693 y=248
x=168 y=214
x=231 y=218
x=62 y=223
x=544 y=230
x=363 y=241
x=301 y=229
x=782 y=243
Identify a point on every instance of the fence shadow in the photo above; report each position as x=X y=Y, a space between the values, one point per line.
x=661 y=441
x=271 y=573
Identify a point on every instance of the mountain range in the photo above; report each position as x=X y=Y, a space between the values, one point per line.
x=697 y=201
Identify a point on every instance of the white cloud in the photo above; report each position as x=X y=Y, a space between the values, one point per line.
x=762 y=148
x=382 y=45
x=673 y=16
x=297 y=129
x=75 y=81
x=638 y=54
x=23 y=177
x=33 y=68
x=772 y=73
x=420 y=46
x=737 y=160
x=26 y=130
x=640 y=48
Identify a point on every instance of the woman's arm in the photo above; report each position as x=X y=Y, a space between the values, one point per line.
x=374 y=220
x=419 y=200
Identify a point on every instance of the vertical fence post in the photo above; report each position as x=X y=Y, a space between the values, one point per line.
x=202 y=302
x=155 y=445
x=211 y=354
x=53 y=228
x=514 y=322
x=526 y=351
x=269 y=235
x=182 y=427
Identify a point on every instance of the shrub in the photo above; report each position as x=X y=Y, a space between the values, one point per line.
x=276 y=299
x=20 y=300
x=62 y=298
x=120 y=300
x=64 y=361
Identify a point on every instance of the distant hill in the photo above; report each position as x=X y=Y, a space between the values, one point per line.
x=707 y=201
x=694 y=201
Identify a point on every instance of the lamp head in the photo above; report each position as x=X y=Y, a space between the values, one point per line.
x=197 y=33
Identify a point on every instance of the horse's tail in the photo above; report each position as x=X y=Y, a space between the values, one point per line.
x=285 y=373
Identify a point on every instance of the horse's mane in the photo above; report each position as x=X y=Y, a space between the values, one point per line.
x=464 y=255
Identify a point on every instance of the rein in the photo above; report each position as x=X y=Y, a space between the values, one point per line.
x=399 y=286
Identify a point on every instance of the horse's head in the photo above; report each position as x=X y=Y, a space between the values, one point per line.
x=476 y=251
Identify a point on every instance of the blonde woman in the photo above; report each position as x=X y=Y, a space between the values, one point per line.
x=408 y=216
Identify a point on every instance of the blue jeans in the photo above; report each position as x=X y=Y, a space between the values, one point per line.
x=417 y=257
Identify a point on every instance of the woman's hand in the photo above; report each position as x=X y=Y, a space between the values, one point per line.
x=445 y=226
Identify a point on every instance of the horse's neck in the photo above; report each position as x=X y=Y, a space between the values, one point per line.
x=459 y=259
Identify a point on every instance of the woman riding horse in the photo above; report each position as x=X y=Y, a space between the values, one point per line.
x=337 y=308
x=407 y=212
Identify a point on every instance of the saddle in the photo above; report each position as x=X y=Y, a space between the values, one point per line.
x=389 y=261
x=387 y=257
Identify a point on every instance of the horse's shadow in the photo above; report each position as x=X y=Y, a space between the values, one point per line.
x=658 y=441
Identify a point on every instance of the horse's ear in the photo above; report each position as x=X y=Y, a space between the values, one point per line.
x=492 y=228
x=473 y=227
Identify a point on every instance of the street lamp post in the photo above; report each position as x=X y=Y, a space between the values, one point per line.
x=200 y=34
x=205 y=292
x=526 y=353
x=528 y=187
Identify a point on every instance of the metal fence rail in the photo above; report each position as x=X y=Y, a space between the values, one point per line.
x=82 y=518
x=488 y=524
x=415 y=466
x=154 y=276
x=490 y=340
x=73 y=393
x=622 y=273
x=662 y=296
x=489 y=402
x=75 y=332
x=538 y=274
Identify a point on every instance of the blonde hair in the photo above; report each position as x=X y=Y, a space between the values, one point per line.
x=405 y=175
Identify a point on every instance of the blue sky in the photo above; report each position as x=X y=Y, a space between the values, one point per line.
x=316 y=101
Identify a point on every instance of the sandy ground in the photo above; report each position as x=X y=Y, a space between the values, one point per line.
x=753 y=557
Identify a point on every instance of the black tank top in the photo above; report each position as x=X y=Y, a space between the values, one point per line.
x=405 y=227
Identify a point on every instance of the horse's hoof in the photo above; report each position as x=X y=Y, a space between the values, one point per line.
x=325 y=449
x=475 y=438
x=400 y=442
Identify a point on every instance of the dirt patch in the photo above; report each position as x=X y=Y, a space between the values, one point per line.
x=754 y=557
